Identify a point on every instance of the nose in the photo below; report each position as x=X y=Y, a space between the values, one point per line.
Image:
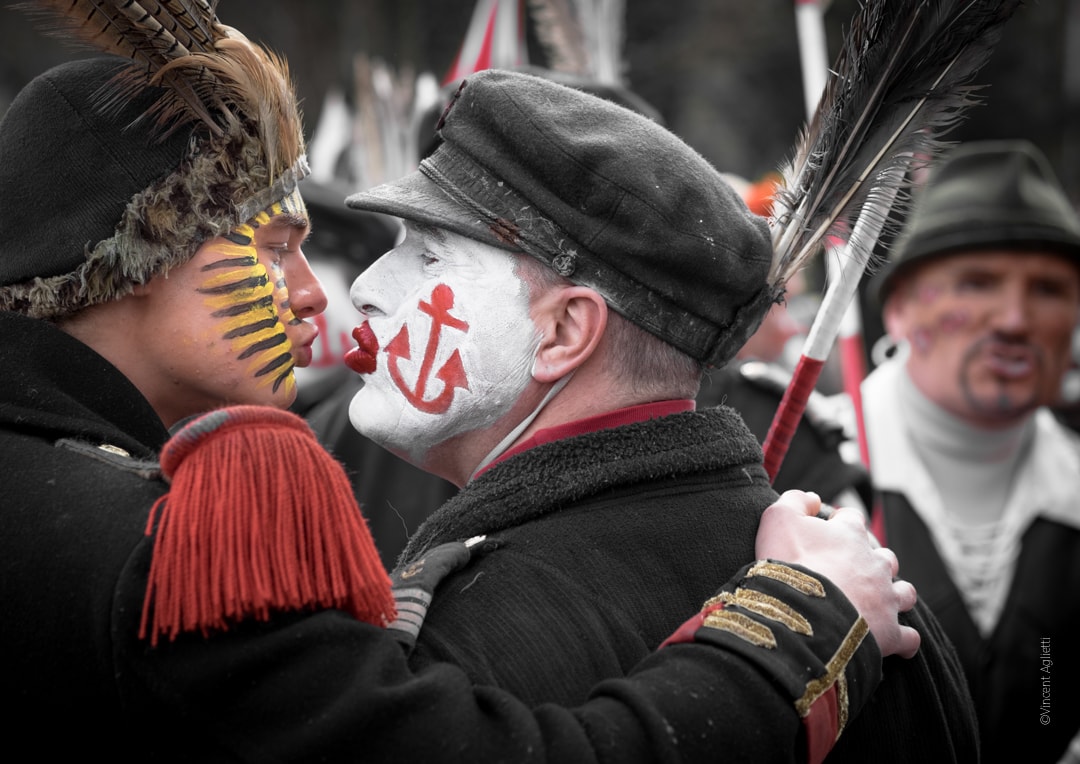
x=373 y=290
x=306 y=296
x=1013 y=314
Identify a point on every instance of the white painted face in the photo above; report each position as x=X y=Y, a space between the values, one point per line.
x=447 y=344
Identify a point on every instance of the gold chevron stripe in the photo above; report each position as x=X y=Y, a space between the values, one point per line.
x=766 y=606
x=741 y=626
x=797 y=580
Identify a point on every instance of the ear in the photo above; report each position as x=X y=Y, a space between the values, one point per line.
x=572 y=320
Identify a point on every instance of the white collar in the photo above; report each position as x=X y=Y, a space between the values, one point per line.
x=1047 y=483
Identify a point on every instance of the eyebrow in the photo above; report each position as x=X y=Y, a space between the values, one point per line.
x=290 y=219
x=429 y=230
x=978 y=269
x=299 y=223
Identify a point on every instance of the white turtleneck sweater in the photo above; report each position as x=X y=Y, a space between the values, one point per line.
x=975 y=471
x=977 y=490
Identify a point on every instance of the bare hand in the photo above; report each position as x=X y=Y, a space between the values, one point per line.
x=842 y=550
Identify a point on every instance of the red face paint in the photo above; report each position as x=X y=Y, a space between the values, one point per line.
x=929 y=293
x=451 y=373
x=455 y=350
x=953 y=321
x=363 y=359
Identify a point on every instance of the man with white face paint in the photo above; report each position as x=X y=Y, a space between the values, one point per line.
x=538 y=337
x=978 y=480
x=458 y=344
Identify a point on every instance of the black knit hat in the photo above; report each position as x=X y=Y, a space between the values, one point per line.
x=606 y=197
x=93 y=198
x=999 y=195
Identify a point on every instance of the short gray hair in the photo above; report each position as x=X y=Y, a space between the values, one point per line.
x=640 y=361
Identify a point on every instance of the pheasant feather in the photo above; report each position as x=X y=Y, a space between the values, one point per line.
x=208 y=72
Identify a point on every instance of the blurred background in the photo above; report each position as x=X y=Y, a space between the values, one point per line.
x=724 y=74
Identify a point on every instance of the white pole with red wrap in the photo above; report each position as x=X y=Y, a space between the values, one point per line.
x=838 y=320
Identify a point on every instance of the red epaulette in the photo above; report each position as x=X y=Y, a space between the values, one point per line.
x=259 y=519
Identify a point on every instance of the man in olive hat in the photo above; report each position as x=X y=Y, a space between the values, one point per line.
x=978 y=481
x=568 y=269
x=222 y=602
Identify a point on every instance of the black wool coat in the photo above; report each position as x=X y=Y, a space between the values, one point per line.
x=597 y=544
x=601 y=539
x=315 y=685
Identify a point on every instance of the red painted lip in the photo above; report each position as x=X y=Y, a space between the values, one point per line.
x=363 y=359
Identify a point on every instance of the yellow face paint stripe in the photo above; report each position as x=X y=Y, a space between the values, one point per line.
x=239 y=292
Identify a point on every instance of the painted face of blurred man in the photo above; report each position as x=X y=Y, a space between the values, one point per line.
x=446 y=346
x=990 y=332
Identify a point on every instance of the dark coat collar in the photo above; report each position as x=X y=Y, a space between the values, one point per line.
x=58 y=387
x=541 y=479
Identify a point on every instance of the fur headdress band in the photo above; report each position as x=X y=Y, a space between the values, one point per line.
x=117 y=170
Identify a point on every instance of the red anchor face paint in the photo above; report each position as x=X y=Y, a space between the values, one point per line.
x=446 y=345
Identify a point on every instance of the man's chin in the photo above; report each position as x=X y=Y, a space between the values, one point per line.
x=1004 y=408
x=368 y=415
x=363 y=413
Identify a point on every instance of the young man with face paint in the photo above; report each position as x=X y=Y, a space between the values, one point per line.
x=146 y=277
x=568 y=268
x=978 y=481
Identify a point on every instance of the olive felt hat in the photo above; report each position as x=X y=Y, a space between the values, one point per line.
x=1000 y=195
x=605 y=197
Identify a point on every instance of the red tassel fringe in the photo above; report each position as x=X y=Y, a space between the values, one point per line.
x=259 y=519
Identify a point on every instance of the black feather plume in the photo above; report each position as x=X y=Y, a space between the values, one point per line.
x=902 y=80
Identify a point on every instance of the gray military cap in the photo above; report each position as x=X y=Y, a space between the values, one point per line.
x=605 y=197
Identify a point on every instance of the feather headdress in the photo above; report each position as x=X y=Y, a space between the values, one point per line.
x=902 y=80
x=207 y=71
x=204 y=122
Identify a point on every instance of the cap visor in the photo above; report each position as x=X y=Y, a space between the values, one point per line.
x=416 y=198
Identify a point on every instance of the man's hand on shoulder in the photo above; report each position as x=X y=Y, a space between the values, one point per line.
x=841 y=549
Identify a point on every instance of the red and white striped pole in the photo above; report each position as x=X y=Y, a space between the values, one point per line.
x=495 y=39
x=838 y=320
